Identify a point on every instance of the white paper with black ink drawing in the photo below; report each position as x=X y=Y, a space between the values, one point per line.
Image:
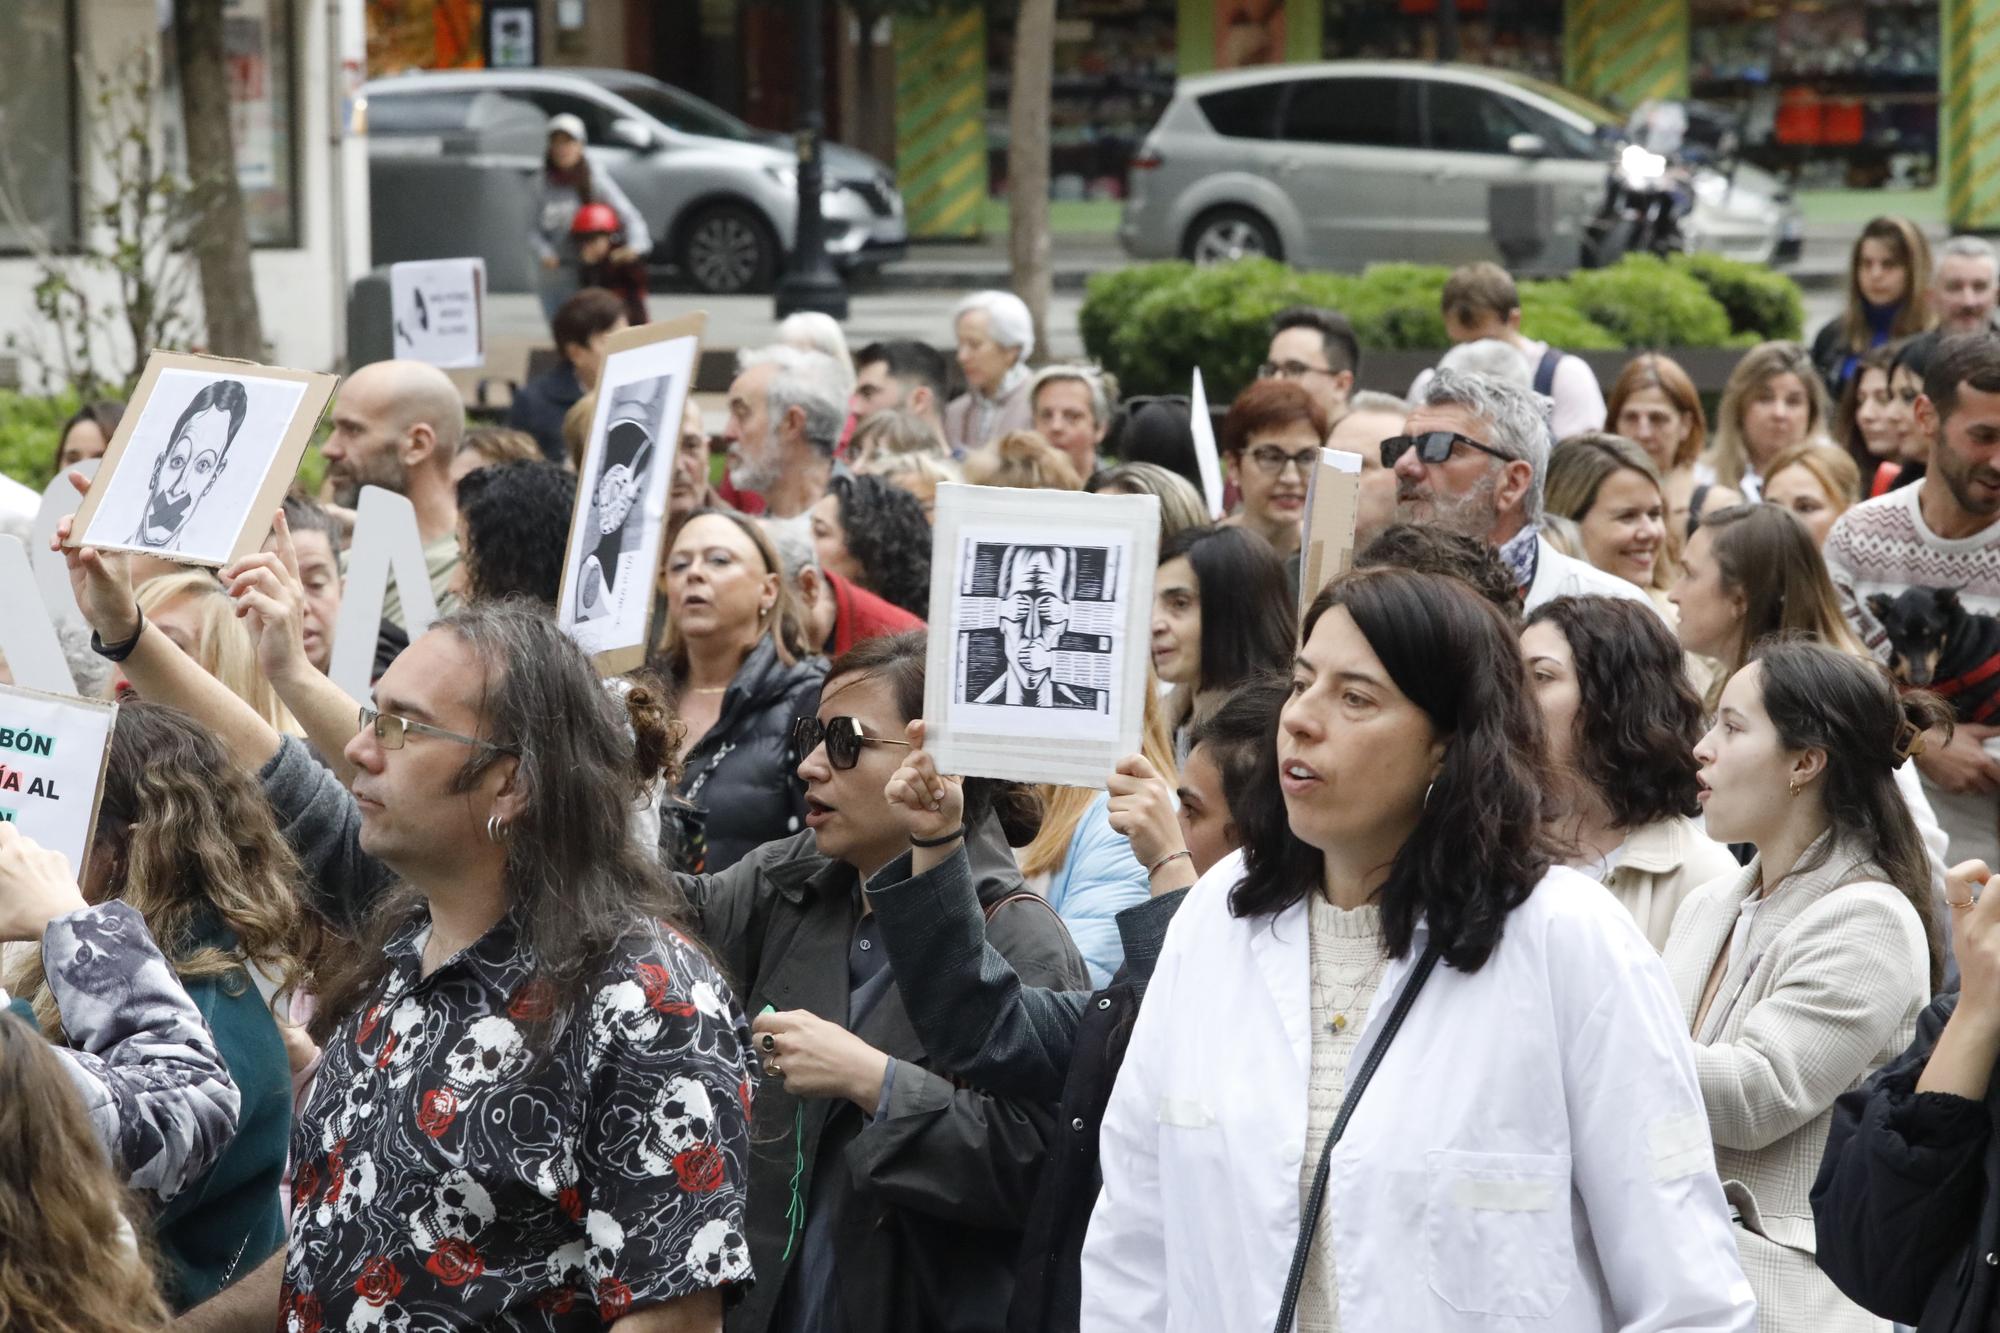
x=203 y=446
x=1037 y=669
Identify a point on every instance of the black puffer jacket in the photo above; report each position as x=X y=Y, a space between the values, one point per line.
x=743 y=775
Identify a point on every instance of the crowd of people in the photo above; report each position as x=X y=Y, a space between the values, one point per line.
x=1575 y=914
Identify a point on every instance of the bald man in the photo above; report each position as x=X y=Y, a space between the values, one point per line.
x=396 y=424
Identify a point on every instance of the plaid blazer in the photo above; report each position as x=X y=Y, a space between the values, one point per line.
x=1826 y=987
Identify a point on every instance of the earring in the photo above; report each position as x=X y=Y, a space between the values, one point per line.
x=1428 y=788
x=496 y=830
x=1794 y=786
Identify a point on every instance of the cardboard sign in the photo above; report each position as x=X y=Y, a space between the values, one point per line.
x=436 y=311
x=386 y=541
x=618 y=533
x=52 y=753
x=28 y=638
x=1040 y=608
x=201 y=459
x=1333 y=498
x=1206 y=456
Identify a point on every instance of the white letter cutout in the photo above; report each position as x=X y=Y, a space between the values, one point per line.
x=51 y=571
x=385 y=542
x=28 y=637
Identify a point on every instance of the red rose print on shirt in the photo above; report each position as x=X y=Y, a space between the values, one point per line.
x=379 y=1282
x=614 y=1298
x=304 y=1316
x=440 y=1108
x=570 y=1200
x=455 y=1262
x=533 y=1003
x=699 y=1169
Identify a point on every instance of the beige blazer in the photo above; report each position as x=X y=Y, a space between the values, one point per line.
x=1016 y=413
x=1661 y=865
x=1825 y=989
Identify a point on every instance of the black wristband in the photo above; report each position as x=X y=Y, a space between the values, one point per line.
x=932 y=844
x=118 y=652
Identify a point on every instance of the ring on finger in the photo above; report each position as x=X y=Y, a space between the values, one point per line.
x=771 y=1068
x=770 y=1042
x=1970 y=899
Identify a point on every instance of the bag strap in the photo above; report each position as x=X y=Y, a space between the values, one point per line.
x=1309 y=1216
x=1545 y=371
x=1019 y=895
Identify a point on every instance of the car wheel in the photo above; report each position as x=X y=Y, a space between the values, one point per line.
x=1227 y=234
x=729 y=249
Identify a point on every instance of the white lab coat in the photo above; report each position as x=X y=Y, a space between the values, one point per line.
x=1532 y=1153
x=1559 y=575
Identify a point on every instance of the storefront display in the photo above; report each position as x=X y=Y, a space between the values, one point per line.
x=1523 y=35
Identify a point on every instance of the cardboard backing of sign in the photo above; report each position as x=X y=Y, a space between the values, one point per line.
x=88 y=721
x=1333 y=499
x=631 y=652
x=255 y=522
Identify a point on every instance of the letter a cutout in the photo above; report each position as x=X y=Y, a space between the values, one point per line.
x=27 y=635
x=386 y=542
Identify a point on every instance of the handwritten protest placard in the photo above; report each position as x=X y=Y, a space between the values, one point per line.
x=52 y=752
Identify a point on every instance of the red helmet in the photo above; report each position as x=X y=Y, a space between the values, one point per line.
x=594 y=220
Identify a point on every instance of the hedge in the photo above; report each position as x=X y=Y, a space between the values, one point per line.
x=28 y=427
x=1152 y=324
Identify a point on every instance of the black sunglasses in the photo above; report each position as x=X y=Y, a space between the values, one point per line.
x=843 y=737
x=1434 y=446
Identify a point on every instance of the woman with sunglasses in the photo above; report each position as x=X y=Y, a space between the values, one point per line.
x=883 y=1196
x=1270 y=441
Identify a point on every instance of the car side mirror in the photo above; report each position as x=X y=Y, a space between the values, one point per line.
x=629 y=133
x=1528 y=145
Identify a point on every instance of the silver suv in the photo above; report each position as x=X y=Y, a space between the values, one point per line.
x=1350 y=163
x=721 y=197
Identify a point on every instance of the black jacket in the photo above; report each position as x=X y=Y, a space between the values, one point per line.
x=929 y=1210
x=744 y=773
x=1907 y=1204
x=973 y=1013
x=541 y=405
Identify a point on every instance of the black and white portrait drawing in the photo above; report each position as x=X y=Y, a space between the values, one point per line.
x=614 y=521
x=1032 y=658
x=192 y=469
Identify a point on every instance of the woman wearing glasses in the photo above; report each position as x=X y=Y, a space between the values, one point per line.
x=1270 y=441
x=737 y=648
x=883 y=1196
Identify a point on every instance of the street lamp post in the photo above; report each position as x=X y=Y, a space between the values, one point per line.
x=810 y=281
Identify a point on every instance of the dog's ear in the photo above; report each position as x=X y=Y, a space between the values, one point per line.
x=1947 y=599
x=1879 y=605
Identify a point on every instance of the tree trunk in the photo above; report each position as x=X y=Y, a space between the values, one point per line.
x=219 y=238
x=1028 y=161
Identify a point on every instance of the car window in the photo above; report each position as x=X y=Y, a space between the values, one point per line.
x=1367 y=112
x=419 y=113
x=1245 y=113
x=595 y=115
x=1462 y=118
x=690 y=115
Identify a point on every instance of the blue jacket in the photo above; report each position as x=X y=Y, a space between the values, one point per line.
x=1097 y=880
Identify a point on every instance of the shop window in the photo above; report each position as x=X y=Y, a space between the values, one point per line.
x=1369 y=113
x=1245 y=113
x=258 y=45
x=38 y=127
x=596 y=116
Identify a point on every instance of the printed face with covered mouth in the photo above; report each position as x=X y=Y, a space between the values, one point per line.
x=1034 y=609
x=185 y=472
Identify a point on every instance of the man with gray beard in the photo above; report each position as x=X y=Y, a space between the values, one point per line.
x=1471 y=460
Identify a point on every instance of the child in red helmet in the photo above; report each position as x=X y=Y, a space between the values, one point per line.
x=604 y=260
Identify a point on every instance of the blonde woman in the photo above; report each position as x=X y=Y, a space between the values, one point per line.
x=920 y=475
x=1817 y=483
x=1023 y=459
x=195 y=611
x=1610 y=489
x=1773 y=401
x=1083 y=866
x=892 y=433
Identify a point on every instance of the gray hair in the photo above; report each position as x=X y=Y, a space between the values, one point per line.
x=1374 y=400
x=1007 y=319
x=1489 y=357
x=1969 y=247
x=815 y=331
x=804 y=379
x=1090 y=377
x=793 y=543
x=1517 y=417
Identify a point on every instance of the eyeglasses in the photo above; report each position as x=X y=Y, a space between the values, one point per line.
x=1434 y=446
x=391 y=731
x=1290 y=370
x=1272 y=461
x=843 y=737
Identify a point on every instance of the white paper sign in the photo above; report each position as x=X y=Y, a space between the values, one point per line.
x=1206 y=457
x=386 y=541
x=1038 y=648
x=59 y=500
x=52 y=752
x=437 y=311
x=28 y=638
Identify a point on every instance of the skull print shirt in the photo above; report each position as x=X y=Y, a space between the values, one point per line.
x=447 y=1174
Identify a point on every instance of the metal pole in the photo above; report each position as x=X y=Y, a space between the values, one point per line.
x=810 y=281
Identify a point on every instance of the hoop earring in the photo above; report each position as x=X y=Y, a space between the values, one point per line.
x=497 y=831
x=1793 y=785
x=1428 y=788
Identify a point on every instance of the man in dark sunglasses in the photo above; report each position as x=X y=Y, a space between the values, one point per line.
x=1471 y=460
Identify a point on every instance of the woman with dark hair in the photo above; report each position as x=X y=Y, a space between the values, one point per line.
x=1512 y=1157
x=1868 y=425
x=883 y=1195
x=1888 y=297
x=1155 y=430
x=875 y=535
x=1622 y=721
x=1805 y=970
x=513 y=532
x=87 y=433
x=1204 y=645
x=568 y=184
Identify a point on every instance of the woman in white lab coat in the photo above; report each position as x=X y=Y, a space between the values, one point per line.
x=1532 y=1146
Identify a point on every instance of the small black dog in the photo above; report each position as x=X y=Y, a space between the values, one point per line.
x=1936 y=644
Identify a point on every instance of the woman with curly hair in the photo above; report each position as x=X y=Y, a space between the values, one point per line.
x=1622 y=721
x=67 y=1254
x=185 y=836
x=875 y=535
x=513 y=531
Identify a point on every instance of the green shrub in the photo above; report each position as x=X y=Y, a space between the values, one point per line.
x=1108 y=301
x=1396 y=306
x=1217 y=318
x=1762 y=304
x=28 y=427
x=1547 y=316
x=1645 y=302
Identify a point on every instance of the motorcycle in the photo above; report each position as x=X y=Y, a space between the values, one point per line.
x=1650 y=189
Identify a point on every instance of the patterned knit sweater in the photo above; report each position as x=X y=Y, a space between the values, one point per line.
x=1347 y=965
x=1883 y=545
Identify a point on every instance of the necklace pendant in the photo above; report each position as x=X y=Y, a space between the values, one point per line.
x=1339 y=1023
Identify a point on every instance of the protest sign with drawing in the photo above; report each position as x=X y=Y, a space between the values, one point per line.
x=52 y=752
x=436 y=312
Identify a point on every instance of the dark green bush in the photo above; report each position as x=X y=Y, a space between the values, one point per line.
x=1108 y=301
x=1646 y=302
x=1547 y=316
x=1764 y=305
x=28 y=427
x=1216 y=318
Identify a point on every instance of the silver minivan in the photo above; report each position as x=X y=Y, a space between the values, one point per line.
x=1350 y=163
x=720 y=196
